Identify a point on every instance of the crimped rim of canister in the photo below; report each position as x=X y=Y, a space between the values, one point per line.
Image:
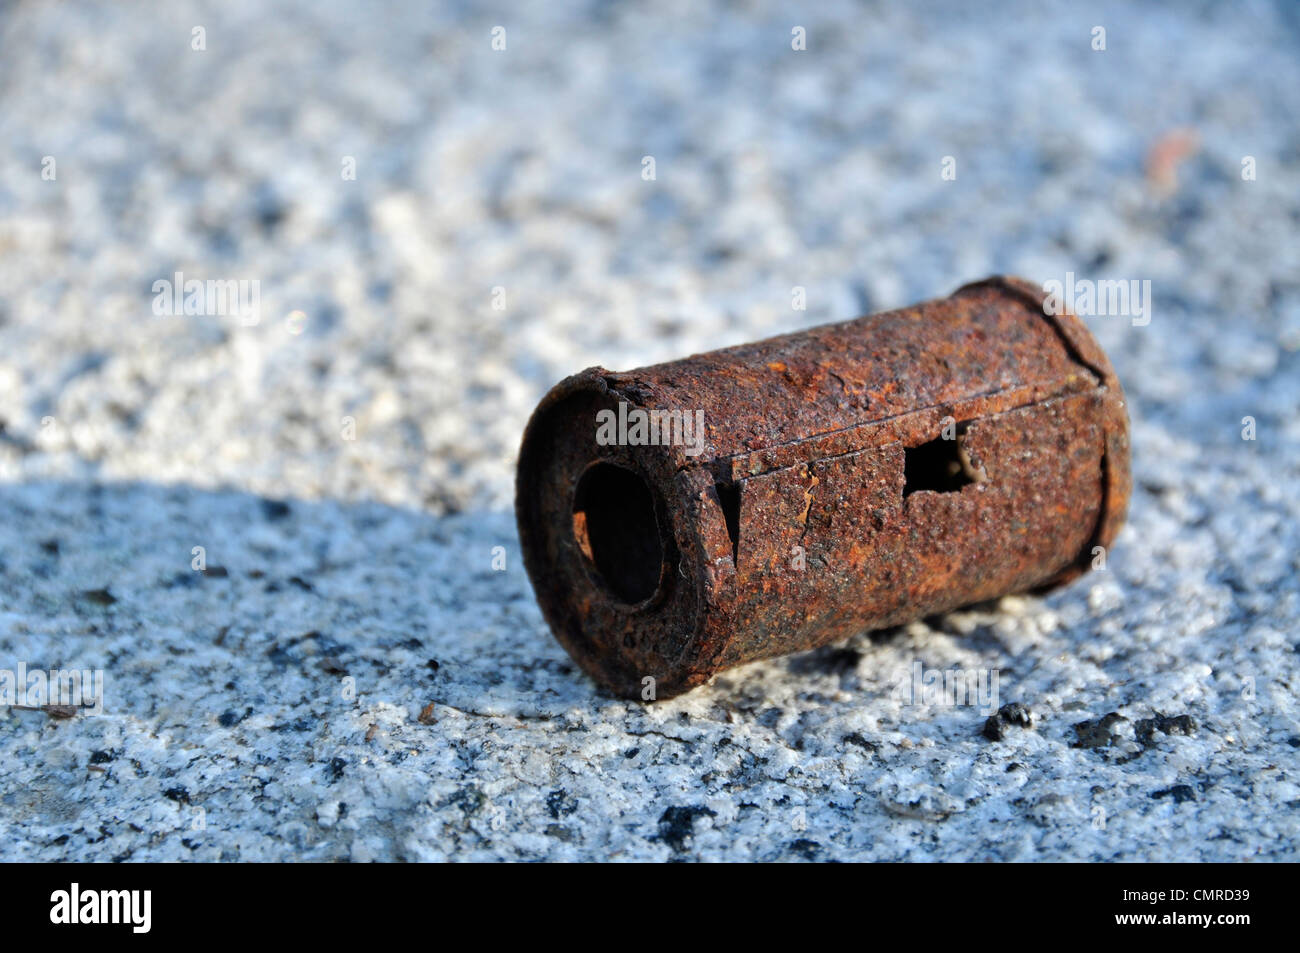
x=1117 y=480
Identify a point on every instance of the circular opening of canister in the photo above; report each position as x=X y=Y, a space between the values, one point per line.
x=615 y=526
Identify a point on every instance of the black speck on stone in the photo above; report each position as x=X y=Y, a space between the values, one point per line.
x=1007 y=716
x=229 y=718
x=807 y=849
x=1099 y=733
x=101 y=757
x=631 y=753
x=50 y=546
x=855 y=738
x=335 y=769
x=333 y=666
x=58 y=841
x=677 y=824
x=179 y=795
x=1294 y=741
x=100 y=597
x=1099 y=260
x=305 y=723
x=279 y=656
x=470 y=800
x=1179 y=792
x=560 y=804
x=216 y=572
x=1146 y=728
x=323 y=642
x=270 y=213
x=301 y=583
x=275 y=509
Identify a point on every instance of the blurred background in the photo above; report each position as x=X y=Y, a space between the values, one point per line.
x=447 y=207
x=521 y=169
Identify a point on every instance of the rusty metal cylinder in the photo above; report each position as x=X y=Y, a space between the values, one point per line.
x=681 y=519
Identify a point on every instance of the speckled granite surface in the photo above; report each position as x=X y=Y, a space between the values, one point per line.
x=350 y=677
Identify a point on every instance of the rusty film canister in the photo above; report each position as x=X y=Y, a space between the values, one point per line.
x=684 y=518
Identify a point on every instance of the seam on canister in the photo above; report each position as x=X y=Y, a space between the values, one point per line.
x=726 y=468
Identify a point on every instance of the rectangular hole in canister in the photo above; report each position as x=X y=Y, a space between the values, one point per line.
x=936 y=466
x=729 y=498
